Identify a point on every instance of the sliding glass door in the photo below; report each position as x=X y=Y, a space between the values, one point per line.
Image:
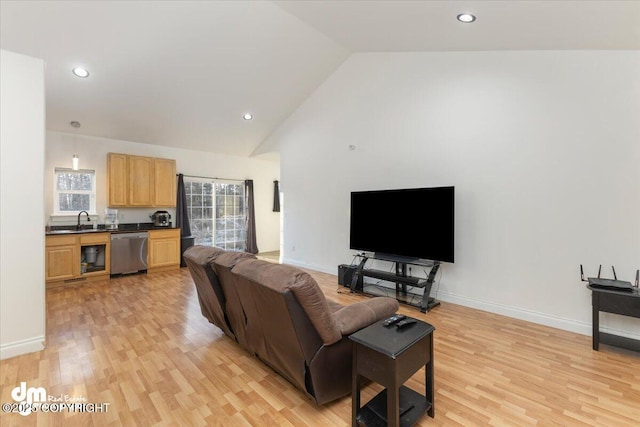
x=217 y=212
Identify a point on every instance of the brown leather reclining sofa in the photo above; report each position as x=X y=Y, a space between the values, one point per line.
x=279 y=314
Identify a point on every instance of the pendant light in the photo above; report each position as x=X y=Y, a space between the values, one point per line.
x=75 y=165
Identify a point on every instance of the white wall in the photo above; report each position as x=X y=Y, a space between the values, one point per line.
x=22 y=306
x=543 y=148
x=93 y=155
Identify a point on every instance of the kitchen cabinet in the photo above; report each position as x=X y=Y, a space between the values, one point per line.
x=165 y=182
x=101 y=244
x=118 y=173
x=66 y=257
x=62 y=259
x=140 y=181
x=164 y=250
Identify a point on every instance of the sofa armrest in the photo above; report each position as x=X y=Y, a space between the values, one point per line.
x=361 y=314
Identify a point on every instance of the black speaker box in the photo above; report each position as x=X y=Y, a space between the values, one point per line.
x=345 y=276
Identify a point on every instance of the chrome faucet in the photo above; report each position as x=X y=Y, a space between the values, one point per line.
x=79 y=227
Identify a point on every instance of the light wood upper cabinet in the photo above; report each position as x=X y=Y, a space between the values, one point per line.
x=118 y=174
x=165 y=182
x=139 y=181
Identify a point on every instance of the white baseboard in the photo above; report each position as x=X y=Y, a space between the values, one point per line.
x=19 y=348
x=583 y=328
x=565 y=324
x=310 y=266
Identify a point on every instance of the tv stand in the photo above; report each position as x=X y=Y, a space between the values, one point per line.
x=400 y=278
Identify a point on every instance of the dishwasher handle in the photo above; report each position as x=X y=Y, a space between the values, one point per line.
x=144 y=252
x=119 y=236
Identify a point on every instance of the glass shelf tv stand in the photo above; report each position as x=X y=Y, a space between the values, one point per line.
x=404 y=284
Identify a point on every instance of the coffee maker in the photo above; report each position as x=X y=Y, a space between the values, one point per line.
x=161 y=218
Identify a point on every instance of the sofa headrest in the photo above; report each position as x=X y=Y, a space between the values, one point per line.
x=282 y=278
x=230 y=259
x=203 y=255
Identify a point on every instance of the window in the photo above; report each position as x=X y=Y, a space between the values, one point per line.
x=74 y=191
x=216 y=213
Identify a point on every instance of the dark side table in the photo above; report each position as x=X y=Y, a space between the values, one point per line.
x=390 y=356
x=617 y=302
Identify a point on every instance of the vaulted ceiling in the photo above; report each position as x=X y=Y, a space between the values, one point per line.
x=183 y=73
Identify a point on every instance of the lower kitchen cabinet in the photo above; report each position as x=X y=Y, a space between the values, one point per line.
x=80 y=257
x=164 y=250
x=76 y=257
x=62 y=260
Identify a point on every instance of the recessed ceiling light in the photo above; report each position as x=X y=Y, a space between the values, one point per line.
x=80 y=72
x=247 y=116
x=466 y=18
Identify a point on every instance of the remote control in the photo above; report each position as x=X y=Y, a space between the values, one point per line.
x=394 y=319
x=405 y=323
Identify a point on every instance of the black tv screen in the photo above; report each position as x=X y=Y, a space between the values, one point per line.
x=415 y=223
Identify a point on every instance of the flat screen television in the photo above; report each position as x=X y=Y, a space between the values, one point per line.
x=412 y=223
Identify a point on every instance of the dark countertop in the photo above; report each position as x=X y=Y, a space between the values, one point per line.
x=57 y=230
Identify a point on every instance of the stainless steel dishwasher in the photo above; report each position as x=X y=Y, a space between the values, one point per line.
x=129 y=252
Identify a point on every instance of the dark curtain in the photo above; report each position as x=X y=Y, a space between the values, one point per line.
x=182 y=215
x=251 y=243
x=276 y=196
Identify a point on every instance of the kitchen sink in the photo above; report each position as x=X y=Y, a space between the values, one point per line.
x=90 y=230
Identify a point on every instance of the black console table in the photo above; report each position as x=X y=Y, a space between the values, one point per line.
x=400 y=278
x=626 y=303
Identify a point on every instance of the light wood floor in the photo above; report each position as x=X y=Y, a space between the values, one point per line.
x=269 y=256
x=141 y=344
